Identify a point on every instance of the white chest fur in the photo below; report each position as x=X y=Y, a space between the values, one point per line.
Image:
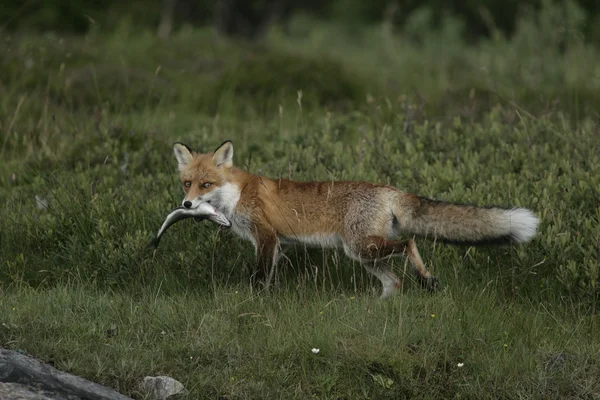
x=242 y=227
x=225 y=199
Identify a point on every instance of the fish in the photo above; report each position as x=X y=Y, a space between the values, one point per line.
x=200 y=213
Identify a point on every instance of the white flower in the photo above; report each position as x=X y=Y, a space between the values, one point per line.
x=315 y=351
x=42 y=203
x=460 y=365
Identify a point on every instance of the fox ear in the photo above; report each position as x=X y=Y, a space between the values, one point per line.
x=183 y=154
x=223 y=155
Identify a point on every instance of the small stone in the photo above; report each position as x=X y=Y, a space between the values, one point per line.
x=112 y=331
x=161 y=387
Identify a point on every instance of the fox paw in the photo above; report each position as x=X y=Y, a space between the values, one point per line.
x=431 y=284
x=260 y=282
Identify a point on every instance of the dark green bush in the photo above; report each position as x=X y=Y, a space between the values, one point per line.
x=273 y=78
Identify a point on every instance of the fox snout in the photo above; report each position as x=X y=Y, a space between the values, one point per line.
x=194 y=203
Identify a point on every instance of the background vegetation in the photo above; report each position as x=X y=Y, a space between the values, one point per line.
x=250 y=18
x=431 y=101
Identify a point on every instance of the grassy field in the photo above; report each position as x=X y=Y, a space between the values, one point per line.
x=88 y=174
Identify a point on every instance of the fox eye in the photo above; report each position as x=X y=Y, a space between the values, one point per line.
x=187 y=184
x=206 y=185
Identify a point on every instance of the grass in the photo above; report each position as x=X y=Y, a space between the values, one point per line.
x=87 y=176
x=234 y=344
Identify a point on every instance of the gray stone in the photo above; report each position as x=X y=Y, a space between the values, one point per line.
x=18 y=391
x=44 y=380
x=161 y=387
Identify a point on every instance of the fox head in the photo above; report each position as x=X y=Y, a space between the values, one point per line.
x=206 y=177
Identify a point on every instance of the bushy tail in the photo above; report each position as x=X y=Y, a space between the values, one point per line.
x=456 y=223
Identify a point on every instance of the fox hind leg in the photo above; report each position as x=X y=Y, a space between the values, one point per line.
x=374 y=251
x=383 y=271
x=425 y=278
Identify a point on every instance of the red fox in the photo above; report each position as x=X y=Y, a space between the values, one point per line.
x=363 y=219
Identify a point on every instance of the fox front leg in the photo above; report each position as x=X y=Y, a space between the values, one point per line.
x=267 y=254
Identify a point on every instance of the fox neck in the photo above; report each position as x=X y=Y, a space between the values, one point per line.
x=226 y=198
x=226 y=201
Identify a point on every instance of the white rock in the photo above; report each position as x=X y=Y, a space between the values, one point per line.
x=161 y=387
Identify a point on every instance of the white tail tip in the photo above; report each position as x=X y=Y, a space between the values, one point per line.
x=523 y=224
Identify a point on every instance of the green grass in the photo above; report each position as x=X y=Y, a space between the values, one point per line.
x=87 y=123
x=232 y=344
